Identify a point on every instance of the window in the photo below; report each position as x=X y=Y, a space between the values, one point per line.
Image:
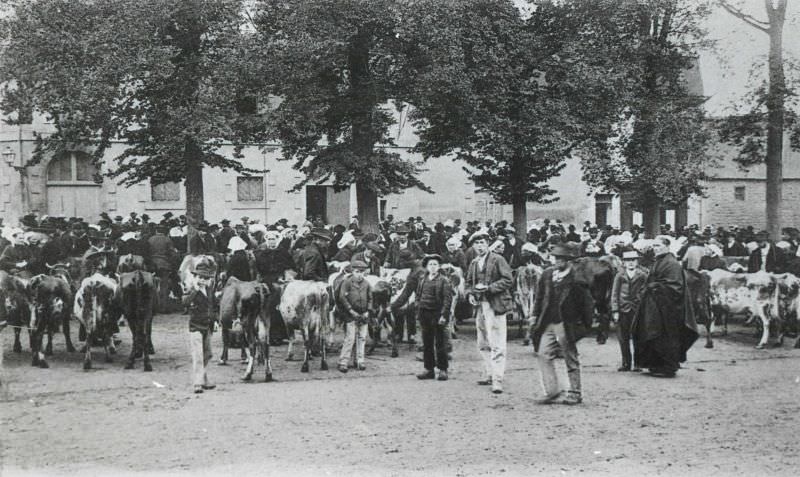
x=738 y=192
x=72 y=167
x=166 y=192
x=250 y=189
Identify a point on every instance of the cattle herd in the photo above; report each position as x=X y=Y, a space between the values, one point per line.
x=46 y=303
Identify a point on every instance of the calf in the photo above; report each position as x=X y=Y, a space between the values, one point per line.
x=304 y=306
x=598 y=274
x=455 y=275
x=381 y=313
x=248 y=303
x=698 y=289
x=753 y=294
x=52 y=299
x=16 y=306
x=789 y=304
x=93 y=308
x=137 y=295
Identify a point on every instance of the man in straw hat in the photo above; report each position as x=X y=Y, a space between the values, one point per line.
x=200 y=302
x=626 y=295
x=563 y=312
x=488 y=282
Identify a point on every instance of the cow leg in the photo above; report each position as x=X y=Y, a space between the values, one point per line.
x=37 y=357
x=17 y=343
x=144 y=340
x=324 y=365
x=67 y=337
x=249 y=348
x=709 y=342
x=263 y=340
x=764 y=333
x=87 y=358
x=306 y=351
x=48 y=350
x=81 y=332
x=392 y=335
x=135 y=343
x=108 y=346
x=226 y=337
x=149 y=335
x=290 y=347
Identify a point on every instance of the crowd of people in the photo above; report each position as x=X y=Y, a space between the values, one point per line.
x=500 y=269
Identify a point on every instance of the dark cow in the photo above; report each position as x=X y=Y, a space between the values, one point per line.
x=52 y=302
x=381 y=313
x=698 y=289
x=137 y=296
x=16 y=306
x=94 y=305
x=598 y=274
x=248 y=304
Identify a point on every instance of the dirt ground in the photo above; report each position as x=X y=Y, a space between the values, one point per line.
x=733 y=410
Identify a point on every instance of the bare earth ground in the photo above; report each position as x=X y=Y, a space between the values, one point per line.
x=733 y=410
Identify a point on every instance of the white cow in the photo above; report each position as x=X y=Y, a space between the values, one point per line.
x=304 y=306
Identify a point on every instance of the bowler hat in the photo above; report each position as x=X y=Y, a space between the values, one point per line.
x=566 y=250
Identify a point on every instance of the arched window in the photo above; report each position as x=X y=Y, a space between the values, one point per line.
x=72 y=168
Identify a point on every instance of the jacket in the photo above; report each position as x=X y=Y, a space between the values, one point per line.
x=754 y=263
x=312 y=264
x=163 y=254
x=201 y=310
x=355 y=298
x=393 y=254
x=576 y=307
x=441 y=299
x=272 y=263
x=626 y=294
x=498 y=279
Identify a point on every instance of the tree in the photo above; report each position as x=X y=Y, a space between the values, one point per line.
x=657 y=155
x=170 y=79
x=513 y=98
x=767 y=111
x=339 y=64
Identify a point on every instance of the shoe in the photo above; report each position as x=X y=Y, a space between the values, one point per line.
x=551 y=399
x=361 y=367
x=342 y=368
x=198 y=389
x=637 y=370
x=442 y=376
x=209 y=386
x=426 y=375
x=622 y=369
x=497 y=388
x=571 y=399
x=485 y=382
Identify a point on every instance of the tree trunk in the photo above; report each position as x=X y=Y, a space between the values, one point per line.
x=775 y=109
x=651 y=216
x=367 y=203
x=520 y=207
x=195 y=208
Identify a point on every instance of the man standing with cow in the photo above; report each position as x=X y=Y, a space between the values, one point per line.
x=489 y=281
x=434 y=296
x=664 y=328
x=563 y=310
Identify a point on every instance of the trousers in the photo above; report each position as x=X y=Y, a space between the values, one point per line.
x=434 y=342
x=491 y=330
x=405 y=319
x=351 y=331
x=625 y=338
x=552 y=345
x=200 y=346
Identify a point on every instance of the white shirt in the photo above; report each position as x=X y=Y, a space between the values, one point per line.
x=559 y=275
x=482 y=262
x=764 y=252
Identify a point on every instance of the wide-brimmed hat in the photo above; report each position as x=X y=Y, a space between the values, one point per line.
x=433 y=256
x=203 y=270
x=565 y=250
x=630 y=255
x=321 y=233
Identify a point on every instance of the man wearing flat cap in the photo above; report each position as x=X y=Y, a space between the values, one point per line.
x=355 y=299
x=402 y=243
x=562 y=311
x=489 y=281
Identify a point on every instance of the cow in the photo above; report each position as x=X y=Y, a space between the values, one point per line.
x=137 y=296
x=93 y=307
x=698 y=288
x=455 y=275
x=753 y=294
x=789 y=303
x=598 y=274
x=52 y=301
x=304 y=306
x=381 y=313
x=248 y=304
x=525 y=282
x=16 y=306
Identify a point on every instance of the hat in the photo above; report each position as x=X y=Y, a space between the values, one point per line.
x=128 y=236
x=357 y=233
x=630 y=255
x=358 y=265
x=480 y=234
x=236 y=243
x=454 y=241
x=566 y=250
x=225 y=221
x=529 y=248
x=762 y=235
x=433 y=256
x=401 y=229
x=257 y=228
x=145 y=217
x=204 y=270
x=321 y=233
x=118 y=218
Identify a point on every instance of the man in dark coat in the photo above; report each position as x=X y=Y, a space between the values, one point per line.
x=765 y=257
x=733 y=247
x=225 y=235
x=393 y=255
x=665 y=327
x=311 y=261
x=563 y=311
